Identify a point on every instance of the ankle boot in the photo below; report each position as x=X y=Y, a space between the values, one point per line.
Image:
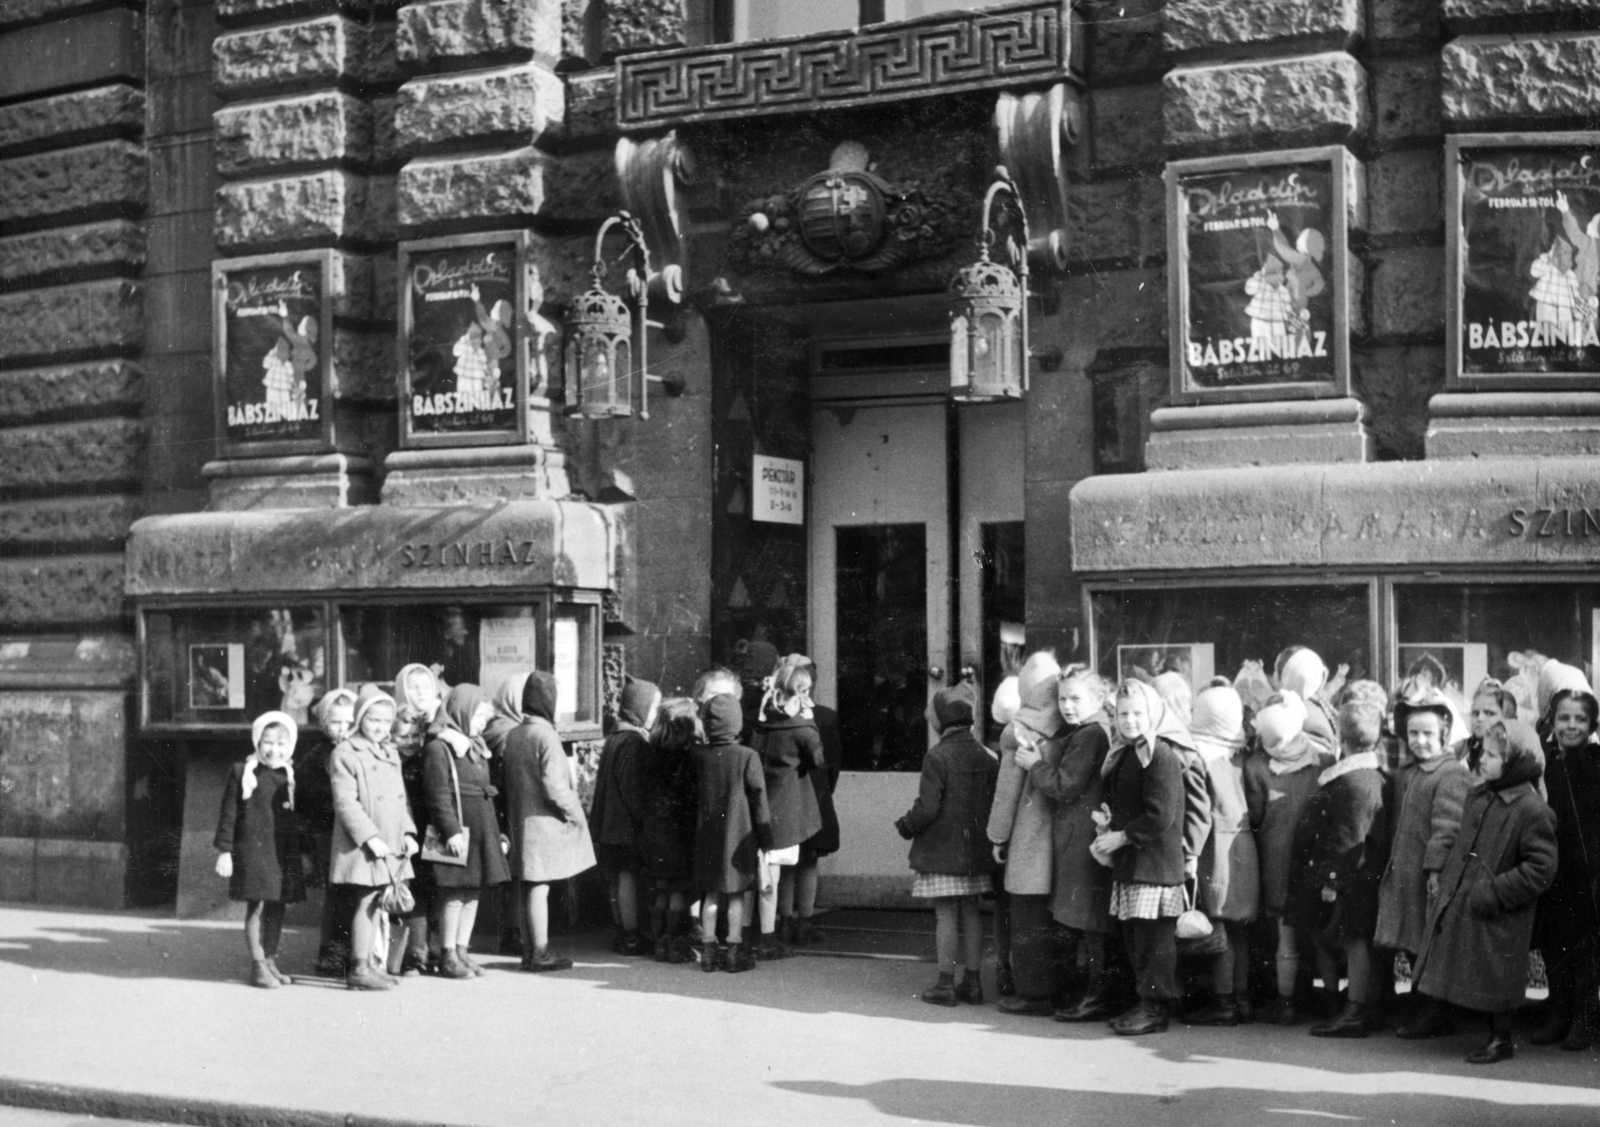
x=1150 y=1016
x=261 y=975
x=363 y=977
x=942 y=992
x=451 y=966
x=1350 y=1022
x=970 y=989
x=1095 y=1005
x=1223 y=1011
x=1497 y=1048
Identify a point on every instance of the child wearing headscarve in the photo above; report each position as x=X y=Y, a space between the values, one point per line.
x=416 y=687
x=1567 y=927
x=1426 y=802
x=1280 y=776
x=1021 y=829
x=733 y=829
x=1302 y=672
x=1143 y=843
x=549 y=832
x=261 y=849
x=460 y=800
x=374 y=836
x=335 y=713
x=790 y=746
x=1474 y=949
x=618 y=809
x=1230 y=872
x=1341 y=846
x=1492 y=702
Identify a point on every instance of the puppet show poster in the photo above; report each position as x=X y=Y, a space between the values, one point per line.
x=1530 y=259
x=462 y=368
x=272 y=370
x=1258 y=275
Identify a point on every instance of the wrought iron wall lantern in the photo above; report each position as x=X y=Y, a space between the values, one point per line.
x=989 y=340
x=603 y=350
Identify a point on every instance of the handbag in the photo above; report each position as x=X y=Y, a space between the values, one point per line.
x=1196 y=933
x=396 y=898
x=433 y=846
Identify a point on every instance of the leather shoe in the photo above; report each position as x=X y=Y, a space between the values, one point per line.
x=1351 y=1022
x=970 y=989
x=1025 y=1007
x=1005 y=981
x=261 y=975
x=941 y=993
x=451 y=966
x=1148 y=1017
x=1222 y=1011
x=363 y=977
x=1093 y=1006
x=1497 y=1048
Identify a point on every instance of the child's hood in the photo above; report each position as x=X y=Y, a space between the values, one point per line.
x=723 y=719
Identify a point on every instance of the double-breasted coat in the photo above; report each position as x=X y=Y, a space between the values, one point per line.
x=1474 y=948
x=264 y=835
x=369 y=801
x=791 y=751
x=1426 y=804
x=1068 y=773
x=549 y=832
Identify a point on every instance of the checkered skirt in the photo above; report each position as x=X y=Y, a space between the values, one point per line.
x=933 y=886
x=1146 y=901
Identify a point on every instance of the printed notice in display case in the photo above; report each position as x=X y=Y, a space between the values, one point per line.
x=1259 y=285
x=1453 y=668
x=216 y=676
x=273 y=326
x=778 y=490
x=567 y=653
x=1195 y=661
x=1524 y=260
x=463 y=352
x=506 y=646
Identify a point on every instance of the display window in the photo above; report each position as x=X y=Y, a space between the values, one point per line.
x=219 y=667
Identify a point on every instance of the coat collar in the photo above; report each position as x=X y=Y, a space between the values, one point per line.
x=1511 y=794
x=1431 y=765
x=1362 y=761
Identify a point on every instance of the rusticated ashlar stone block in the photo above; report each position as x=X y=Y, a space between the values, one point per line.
x=115 y=243
x=1198 y=25
x=1457 y=10
x=1396 y=383
x=456 y=29
x=1307 y=98
x=1408 y=292
x=1406 y=92
x=1117 y=220
x=89 y=177
x=502 y=184
x=365 y=365
x=580 y=34
x=64 y=521
x=641 y=25
x=317 y=205
x=310 y=129
x=105 y=316
x=61 y=590
x=592 y=104
x=67 y=117
x=95 y=386
x=96 y=452
x=526 y=101
x=1125 y=126
x=1404 y=19
x=1405 y=190
x=1493 y=78
x=581 y=185
x=320 y=50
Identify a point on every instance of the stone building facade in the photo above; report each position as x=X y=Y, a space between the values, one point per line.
x=144 y=143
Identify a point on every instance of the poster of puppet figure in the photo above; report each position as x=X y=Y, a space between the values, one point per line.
x=1529 y=259
x=271 y=353
x=462 y=339
x=1258 y=272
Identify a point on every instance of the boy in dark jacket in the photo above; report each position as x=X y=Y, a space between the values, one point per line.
x=617 y=814
x=950 y=849
x=732 y=834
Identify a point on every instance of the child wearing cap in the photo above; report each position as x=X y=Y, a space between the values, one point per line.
x=1280 y=776
x=617 y=813
x=260 y=847
x=949 y=852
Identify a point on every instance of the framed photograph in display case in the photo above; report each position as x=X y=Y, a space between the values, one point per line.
x=1259 y=274
x=1522 y=261
x=464 y=342
x=1195 y=661
x=272 y=334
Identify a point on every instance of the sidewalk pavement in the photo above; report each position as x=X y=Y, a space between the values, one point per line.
x=136 y=1016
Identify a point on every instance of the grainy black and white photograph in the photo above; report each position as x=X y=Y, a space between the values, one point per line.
x=847 y=563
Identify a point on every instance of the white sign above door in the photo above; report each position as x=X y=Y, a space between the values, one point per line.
x=778 y=490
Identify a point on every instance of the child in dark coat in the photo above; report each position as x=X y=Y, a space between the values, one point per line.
x=733 y=831
x=1341 y=847
x=617 y=812
x=335 y=713
x=260 y=847
x=1474 y=949
x=666 y=833
x=950 y=849
x=824 y=841
x=790 y=747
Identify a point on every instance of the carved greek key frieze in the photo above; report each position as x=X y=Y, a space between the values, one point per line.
x=915 y=59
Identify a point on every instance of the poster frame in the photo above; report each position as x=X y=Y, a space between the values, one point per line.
x=275 y=447
x=1455 y=375
x=1341 y=169
x=513 y=436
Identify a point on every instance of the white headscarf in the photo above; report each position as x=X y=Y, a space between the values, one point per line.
x=247 y=785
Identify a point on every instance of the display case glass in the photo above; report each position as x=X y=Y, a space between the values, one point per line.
x=210 y=667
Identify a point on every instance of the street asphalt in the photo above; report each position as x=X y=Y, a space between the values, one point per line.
x=143 y=1017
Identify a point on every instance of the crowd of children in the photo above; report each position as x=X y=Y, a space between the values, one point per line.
x=1139 y=840
x=1213 y=837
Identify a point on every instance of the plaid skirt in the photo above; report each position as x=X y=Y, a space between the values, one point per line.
x=1146 y=901
x=932 y=886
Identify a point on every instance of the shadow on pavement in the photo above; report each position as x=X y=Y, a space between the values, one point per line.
x=213 y=953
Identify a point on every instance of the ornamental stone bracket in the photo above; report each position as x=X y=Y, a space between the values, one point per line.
x=1022 y=44
x=654 y=173
x=1035 y=132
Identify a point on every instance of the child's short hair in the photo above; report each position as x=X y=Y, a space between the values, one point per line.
x=1360 y=726
x=1090 y=679
x=1590 y=705
x=791 y=679
x=1364 y=692
x=677 y=726
x=719 y=679
x=1504 y=700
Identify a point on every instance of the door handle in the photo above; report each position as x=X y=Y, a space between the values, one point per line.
x=935 y=673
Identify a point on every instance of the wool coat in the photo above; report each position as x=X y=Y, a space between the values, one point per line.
x=1426 y=803
x=1022 y=819
x=1148 y=803
x=826 y=840
x=263 y=834
x=1569 y=913
x=369 y=801
x=549 y=832
x=486 y=863
x=954 y=798
x=791 y=751
x=1069 y=775
x=1474 y=949
x=1342 y=842
x=1275 y=803
x=615 y=816
x=666 y=835
x=733 y=821
x=1230 y=870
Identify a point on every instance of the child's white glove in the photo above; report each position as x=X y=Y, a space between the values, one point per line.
x=225 y=865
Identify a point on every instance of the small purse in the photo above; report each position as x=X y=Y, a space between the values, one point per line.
x=433 y=846
x=396 y=898
x=1196 y=933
